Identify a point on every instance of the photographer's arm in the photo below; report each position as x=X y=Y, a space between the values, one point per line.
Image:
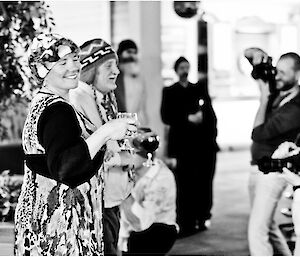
x=281 y=122
x=264 y=96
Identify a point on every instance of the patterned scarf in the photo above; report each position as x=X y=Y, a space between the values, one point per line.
x=109 y=104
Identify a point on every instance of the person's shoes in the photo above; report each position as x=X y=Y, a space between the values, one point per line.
x=202 y=225
x=185 y=232
x=207 y=223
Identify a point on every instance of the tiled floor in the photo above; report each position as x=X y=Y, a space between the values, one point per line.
x=6 y=239
x=228 y=233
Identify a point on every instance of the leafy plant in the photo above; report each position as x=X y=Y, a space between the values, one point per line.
x=20 y=22
x=10 y=188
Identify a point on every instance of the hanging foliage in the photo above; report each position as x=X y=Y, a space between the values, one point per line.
x=20 y=22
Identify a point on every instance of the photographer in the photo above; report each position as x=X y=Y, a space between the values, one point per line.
x=277 y=120
x=291 y=150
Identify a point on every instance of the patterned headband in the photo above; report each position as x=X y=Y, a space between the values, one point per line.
x=46 y=50
x=96 y=50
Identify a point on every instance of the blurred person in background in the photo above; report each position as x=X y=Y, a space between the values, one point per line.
x=277 y=120
x=148 y=215
x=94 y=97
x=186 y=108
x=131 y=92
x=59 y=211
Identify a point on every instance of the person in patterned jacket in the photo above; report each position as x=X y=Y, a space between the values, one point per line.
x=59 y=211
x=95 y=98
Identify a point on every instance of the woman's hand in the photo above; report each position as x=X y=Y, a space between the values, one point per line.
x=120 y=128
x=113 y=130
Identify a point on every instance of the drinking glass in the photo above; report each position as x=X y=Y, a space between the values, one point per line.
x=150 y=144
x=125 y=143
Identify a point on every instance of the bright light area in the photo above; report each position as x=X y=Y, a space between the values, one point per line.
x=82 y=20
x=235 y=121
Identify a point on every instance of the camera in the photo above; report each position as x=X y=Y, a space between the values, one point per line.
x=267 y=165
x=263 y=70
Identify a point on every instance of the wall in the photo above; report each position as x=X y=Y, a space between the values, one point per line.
x=179 y=38
x=81 y=20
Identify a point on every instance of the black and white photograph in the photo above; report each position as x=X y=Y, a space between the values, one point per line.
x=150 y=128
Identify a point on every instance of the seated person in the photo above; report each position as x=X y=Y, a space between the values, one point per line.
x=148 y=215
x=287 y=150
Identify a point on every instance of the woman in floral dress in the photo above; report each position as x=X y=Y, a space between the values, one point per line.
x=59 y=211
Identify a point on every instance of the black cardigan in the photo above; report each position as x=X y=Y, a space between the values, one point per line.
x=67 y=159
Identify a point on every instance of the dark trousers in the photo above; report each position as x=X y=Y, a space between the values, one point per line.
x=194 y=177
x=158 y=239
x=111 y=227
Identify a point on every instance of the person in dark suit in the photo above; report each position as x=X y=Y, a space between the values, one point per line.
x=186 y=108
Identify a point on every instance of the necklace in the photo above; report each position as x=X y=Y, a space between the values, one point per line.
x=108 y=104
x=110 y=110
x=97 y=105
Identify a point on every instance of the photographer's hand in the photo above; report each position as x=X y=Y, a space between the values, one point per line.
x=290 y=177
x=285 y=150
x=259 y=57
x=264 y=90
x=255 y=55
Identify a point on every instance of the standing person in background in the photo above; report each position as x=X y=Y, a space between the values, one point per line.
x=59 y=211
x=186 y=108
x=95 y=98
x=131 y=92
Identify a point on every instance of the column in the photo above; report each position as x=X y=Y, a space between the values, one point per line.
x=145 y=29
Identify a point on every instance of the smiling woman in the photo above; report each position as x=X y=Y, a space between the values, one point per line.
x=64 y=75
x=59 y=211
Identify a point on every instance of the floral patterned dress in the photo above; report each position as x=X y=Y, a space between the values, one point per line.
x=52 y=217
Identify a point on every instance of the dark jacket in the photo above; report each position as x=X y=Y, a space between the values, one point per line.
x=282 y=124
x=185 y=137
